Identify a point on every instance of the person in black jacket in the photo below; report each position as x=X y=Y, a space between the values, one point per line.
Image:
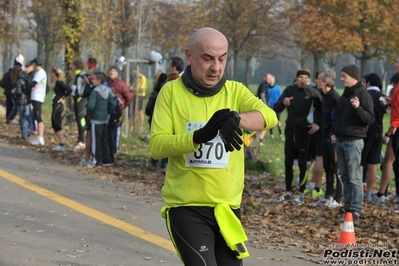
x=9 y=84
x=371 y=155
x=30 y=72
x=299 y=100
x=355 y=115
x=5 y=83
x=61 y=91
x=21 y=97
x=263 y=94
x=79 y=102
x=324 y=148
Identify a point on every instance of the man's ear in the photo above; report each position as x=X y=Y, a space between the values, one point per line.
x=188 y=56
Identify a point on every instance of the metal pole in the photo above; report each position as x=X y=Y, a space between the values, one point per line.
x=127 y=107
x=136 y=107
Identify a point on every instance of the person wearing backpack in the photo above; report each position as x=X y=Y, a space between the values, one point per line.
x=99 y=106
x=86 y=94
x=121 y=91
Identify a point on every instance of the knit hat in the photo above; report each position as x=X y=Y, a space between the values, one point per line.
x=114 y=67
x=352 y=71
x=303 y=71
x=117 y=70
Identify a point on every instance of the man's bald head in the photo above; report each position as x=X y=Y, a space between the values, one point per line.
x=203 y=35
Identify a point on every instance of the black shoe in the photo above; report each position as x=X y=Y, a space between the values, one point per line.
x=342 y=210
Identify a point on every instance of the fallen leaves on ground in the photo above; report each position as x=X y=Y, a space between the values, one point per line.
x=313 y=229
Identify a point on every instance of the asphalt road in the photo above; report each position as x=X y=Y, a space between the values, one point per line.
x=53 y=214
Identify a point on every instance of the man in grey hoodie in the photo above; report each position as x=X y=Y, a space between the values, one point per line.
x=100 y=105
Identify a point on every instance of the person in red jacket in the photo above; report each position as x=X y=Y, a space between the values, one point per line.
x=122 y=92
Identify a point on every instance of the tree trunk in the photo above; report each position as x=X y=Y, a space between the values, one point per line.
x=235 y=69
x=316 y=63
x=363 y=64
x=247 y=71
x=6 y=54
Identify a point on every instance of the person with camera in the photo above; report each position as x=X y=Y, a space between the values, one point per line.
x=197 y=124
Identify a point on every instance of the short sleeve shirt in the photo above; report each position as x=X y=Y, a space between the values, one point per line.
x=39 y=93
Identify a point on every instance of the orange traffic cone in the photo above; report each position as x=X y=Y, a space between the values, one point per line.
x=348 y=231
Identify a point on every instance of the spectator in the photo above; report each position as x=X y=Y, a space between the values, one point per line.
x=363 y=81
x=100 y=105
x=149 y=110
x=371 y=155
x=176 y=67
x=389 y=158
x=324 y=148
x=274 y=92
x=203 y=188
x=393 y=133
x=86 y=94
x=299 y=100
x=21 y=95
x=8 y=85
x=61 y=91
x=80 y=102
x=91 y=63
x=32 y=127
x=122 y=92
x=139 y=93
x=355 y=115
x=38 y=96
x=263 y=94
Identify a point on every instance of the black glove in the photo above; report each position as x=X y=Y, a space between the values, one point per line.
x=210 y=130
x=230 y=133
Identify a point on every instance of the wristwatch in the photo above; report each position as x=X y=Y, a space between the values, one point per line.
x=236 y=117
